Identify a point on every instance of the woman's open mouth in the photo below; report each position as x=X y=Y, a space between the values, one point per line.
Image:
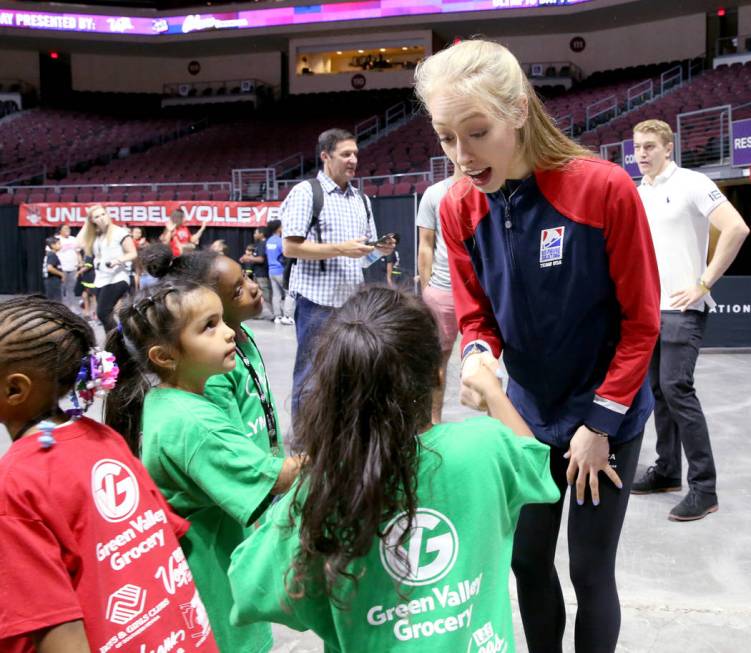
x=480 y=177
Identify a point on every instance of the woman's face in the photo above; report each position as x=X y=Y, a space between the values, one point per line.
x=137 y=233
x=99 y=218
x=484 y=147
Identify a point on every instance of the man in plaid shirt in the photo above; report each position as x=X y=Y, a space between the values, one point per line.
x=346 y=226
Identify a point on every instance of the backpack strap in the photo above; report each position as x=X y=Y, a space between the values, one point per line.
x=315 y=186
x=364 y=202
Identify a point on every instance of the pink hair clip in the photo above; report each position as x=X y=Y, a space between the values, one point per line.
x=97 y=376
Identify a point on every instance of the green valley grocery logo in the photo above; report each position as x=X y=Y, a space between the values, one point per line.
x=428 y=553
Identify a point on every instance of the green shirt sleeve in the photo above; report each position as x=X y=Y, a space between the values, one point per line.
x=233 y=472
x=526 y=471
x=258 y=573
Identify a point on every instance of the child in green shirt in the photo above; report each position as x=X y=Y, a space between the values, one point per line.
x=206 y=467
x=243 y=393
x=399 y=533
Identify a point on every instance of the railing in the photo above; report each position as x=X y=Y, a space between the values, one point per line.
x=695 y=68
x=367 y=129
x=254 y=183
x=639 y=94
x=612 y=152
x=395 y=114
x=601 y=111
x=219 y=87
x=670 y=79
x=377 y=180
x=566 y=124
x=705 y=137
x=23 y=173
x=552 y=69
x=441 y=167
x=295 y=163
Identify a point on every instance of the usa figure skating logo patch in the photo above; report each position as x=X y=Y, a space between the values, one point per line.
x=551 y=246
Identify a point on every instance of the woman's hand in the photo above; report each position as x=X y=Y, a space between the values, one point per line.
x=588 y=456
x=471 y=366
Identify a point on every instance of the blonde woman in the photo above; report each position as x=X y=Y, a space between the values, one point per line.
x=553 y=264
x=112 y=248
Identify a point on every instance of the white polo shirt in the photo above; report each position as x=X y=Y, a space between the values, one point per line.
x=678 y=204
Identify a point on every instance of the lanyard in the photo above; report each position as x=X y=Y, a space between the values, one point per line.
x=268 y=409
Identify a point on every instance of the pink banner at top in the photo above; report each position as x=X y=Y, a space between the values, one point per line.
x=256 y=18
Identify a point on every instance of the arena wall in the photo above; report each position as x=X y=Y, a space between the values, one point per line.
x=118 y=73
x=20 y=65
x=665 y=40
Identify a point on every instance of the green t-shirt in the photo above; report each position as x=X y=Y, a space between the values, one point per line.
x=215 y=477
x=473 y=479
x=236 y=394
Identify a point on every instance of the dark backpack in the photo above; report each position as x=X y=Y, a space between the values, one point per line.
x=315 y=185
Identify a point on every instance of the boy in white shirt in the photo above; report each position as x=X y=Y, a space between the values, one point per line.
x=680 y=206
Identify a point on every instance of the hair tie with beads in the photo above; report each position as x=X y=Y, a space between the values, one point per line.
x=96 y=377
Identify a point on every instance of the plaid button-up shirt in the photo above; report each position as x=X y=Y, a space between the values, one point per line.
x=342 y=218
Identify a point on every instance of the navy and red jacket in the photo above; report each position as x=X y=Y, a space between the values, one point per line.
x=560 y=274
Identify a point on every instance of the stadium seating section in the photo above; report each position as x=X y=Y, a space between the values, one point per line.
x=82 y=149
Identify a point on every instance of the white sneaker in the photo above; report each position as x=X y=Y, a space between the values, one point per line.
x=288 y=320
x=278 y=320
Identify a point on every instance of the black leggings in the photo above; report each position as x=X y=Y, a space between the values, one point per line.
x=106 y=298
x=593 y=534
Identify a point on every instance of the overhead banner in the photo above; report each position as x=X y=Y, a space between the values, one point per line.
x=153 y=214
x=327 y=12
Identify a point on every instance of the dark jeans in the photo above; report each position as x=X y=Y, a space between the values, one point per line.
x=309 y=320
x=53 y=288
x=679 y=419
x=106 y=298
x=593 y=534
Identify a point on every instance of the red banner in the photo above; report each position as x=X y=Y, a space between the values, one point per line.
x=153 y=214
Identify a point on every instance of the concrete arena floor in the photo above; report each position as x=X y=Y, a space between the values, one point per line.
x=683 y=587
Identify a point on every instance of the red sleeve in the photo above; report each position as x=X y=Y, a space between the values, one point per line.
x=633 y=269
x=473 y=309
x=36 y=590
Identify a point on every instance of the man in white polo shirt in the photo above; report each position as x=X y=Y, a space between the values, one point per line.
x=680 y=206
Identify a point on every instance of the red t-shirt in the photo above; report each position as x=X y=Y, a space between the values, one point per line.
x=180 y=236
x=85 y=534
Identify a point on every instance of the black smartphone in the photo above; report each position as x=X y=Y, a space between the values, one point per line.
x=383 y=240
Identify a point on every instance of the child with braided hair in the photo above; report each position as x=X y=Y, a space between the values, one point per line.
x=210 y=471
x=90 y=551
x=243 y=393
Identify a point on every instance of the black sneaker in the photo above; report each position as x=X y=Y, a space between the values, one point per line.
x=652 y=481
x=695 y=505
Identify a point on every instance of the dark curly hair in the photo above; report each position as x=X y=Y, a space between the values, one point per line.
x=159 y=261
x=369 y=395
